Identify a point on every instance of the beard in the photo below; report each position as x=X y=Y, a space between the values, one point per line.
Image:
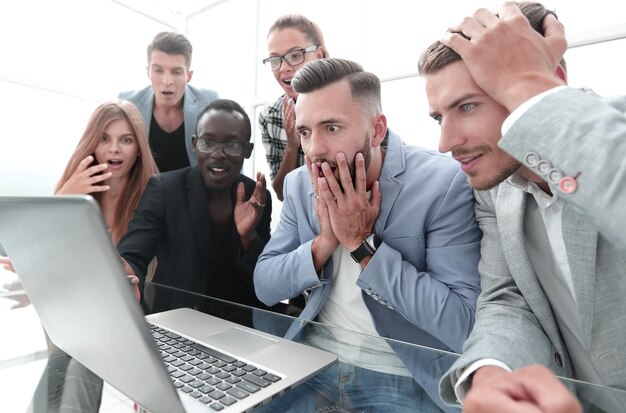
x=498 y=175
x=366 y=150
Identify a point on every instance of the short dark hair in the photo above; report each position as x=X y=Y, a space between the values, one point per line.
x=316 y=74
x=230 y=106
x=437 y=55
x=171 y=43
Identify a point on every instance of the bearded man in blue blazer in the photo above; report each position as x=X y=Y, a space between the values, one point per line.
x=384 y=237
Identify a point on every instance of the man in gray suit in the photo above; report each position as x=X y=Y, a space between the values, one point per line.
x=170 y=106
x=553 y=286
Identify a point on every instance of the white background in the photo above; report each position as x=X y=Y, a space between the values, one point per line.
x=60 y=59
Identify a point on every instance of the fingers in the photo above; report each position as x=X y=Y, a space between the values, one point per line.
x=346 y=186
x=456 y=42
x=95 y=178
x=241 y=193
x=6 y=263
x=548 y=392
x=260 y=188
x=329 y=181
x=84 y=164
x=134 y=282
x=470 y=27
x=553 y=28
x=289 y=120
x=127 y=268
x=260 y=178
x=509 y=10
x=360 y=174
x=94 y=172
x=376 y=197
x=98 y=188
x=86 y=179
x=492 y=400
x=554 y=33
x=289 y=113
x=258 y=196
x=528 y=389
x=486 y=18
x=314 y=174
x=326 y=193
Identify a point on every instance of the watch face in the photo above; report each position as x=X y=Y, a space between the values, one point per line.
x=370 y=240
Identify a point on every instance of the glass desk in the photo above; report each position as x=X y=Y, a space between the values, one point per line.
x=29 y=365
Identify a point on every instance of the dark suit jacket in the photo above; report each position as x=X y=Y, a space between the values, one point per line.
x=172 y=224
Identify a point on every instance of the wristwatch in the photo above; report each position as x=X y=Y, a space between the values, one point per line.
x=366 y=249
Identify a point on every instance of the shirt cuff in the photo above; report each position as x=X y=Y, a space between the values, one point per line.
x=524 y=107
x=463 y=385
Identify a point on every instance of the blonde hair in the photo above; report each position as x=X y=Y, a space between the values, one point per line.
x=143 y=168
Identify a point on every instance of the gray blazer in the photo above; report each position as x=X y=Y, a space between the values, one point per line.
x=194 y=102
x=514 y=319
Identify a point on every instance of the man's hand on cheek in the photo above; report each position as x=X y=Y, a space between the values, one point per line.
x=351 y=214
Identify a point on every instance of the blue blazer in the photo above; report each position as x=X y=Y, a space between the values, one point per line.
x=422 y=283
x=194 y=102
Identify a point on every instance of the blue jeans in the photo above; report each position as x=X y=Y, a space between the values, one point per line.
x=347 y=388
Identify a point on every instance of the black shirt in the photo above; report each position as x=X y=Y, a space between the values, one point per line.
x=224 y=279
x=168 y=149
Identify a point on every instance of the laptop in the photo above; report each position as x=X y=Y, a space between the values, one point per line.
x=64 y=256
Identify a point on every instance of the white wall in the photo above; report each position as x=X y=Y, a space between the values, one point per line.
x=61 y=58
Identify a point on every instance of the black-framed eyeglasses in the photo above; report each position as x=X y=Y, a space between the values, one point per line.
x=293 y=58
x=230 y=148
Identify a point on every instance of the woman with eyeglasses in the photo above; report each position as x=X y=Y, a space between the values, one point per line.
x=292 y=41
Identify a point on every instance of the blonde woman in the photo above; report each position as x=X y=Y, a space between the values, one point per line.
x=112 y=162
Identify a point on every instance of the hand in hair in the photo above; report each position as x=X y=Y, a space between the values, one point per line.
x=86 y=179
x=507 y=58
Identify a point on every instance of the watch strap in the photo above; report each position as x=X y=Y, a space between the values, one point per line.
x=366 y=249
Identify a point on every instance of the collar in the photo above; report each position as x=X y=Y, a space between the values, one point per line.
x=394 y=161
x=530 y=187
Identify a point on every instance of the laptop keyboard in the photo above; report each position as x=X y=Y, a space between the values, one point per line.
x=214 y=378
